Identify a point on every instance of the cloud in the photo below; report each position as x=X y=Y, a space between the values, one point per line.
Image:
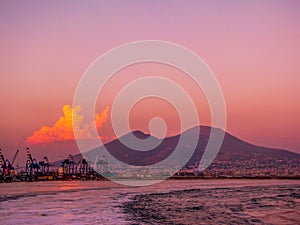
x=102 y=117
x=63 y=128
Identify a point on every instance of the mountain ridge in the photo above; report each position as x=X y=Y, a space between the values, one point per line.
x=232 y=149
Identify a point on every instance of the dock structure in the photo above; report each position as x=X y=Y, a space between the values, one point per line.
x=45 y=171
x=6 y=167
x=30 y=166
x=70 y=170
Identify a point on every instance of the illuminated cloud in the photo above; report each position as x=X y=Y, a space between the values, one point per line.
x=63 y=128
x=102 y=117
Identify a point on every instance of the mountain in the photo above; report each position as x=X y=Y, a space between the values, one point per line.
x=236 y=158
x=233 y=149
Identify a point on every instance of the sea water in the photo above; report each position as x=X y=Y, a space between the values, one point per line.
x=235 y=201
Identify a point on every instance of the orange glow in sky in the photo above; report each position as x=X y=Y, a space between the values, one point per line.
x=63 y=128
x=252 y=47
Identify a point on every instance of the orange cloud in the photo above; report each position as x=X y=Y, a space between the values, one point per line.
x=63 y=128
x=102 y=117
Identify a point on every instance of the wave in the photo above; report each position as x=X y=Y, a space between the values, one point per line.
x=239 y=205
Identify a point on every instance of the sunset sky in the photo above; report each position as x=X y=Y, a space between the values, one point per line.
x=252 y=48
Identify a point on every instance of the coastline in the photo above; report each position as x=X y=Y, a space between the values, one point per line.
x=222 y=178
x=101 y=178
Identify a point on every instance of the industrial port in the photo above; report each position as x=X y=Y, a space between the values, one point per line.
x=44 y=170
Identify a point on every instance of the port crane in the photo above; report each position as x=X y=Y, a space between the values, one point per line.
x=68 y=165
x=2 y=163
x=83 y=166
x=5 y=164
x=45 y=164
x=32 y=167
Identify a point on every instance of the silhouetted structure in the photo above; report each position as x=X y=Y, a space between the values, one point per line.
x=32 y=167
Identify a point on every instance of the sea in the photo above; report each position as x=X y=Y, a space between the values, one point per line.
x=219 y=201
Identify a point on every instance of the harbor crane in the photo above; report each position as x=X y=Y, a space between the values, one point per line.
x=68 y=165
x=45 y=164
x=6 y=166
x=14 y=158
x=32 y=167
x=83 y=166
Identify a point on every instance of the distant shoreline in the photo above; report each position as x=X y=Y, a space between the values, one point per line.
x=217 y=178
x=172 y=178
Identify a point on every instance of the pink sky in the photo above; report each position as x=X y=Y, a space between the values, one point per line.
x=253 y=49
